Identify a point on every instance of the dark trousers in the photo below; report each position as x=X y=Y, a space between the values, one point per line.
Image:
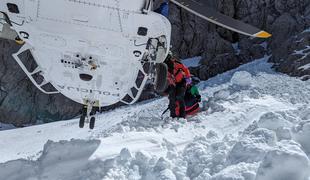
x=177 y=93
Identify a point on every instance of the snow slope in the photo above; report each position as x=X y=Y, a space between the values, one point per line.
x=6 y=126
x=256 y=128
x=192 y=62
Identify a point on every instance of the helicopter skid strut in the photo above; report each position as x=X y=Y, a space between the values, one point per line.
x=88 y=116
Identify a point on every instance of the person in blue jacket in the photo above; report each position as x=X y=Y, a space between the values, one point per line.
x=163 y=8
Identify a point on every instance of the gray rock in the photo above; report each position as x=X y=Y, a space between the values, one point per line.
x=294 y=56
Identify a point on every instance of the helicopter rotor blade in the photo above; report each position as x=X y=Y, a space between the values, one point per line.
x=202 y=10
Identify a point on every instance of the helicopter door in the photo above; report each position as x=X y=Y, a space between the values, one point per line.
x=6 y=32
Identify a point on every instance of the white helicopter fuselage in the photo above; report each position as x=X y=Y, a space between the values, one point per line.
x=89 y=50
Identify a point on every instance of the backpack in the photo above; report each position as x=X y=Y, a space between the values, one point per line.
x=192 y=99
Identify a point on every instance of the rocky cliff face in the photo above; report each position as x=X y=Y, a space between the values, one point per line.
x=293 y=57
x=21 y=103
x=223 y=50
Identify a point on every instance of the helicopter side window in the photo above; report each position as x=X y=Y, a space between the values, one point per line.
x=13 y=8
x=142 y=31
x=86 y=77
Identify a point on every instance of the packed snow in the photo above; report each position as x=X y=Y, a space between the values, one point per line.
x=192 y=62
x=6 y=126
x=257 y=127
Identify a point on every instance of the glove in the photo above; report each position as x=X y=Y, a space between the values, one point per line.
x=188 y=81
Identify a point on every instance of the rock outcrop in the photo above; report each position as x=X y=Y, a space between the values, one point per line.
x=291 y=41
x=222 y=50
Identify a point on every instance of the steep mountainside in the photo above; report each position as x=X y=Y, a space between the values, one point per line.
x=223 y=50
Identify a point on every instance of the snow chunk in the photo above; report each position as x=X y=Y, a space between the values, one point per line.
x=222 y=94
x=161 y=171
x=125 y=154
x=242 y=171
x=204 y=156
x=242 y=78
x=212 y=135
x=288 y=162
x=213 y=106
x=59 y=160
x=302 y=134
x=18 y=169
x=284 y=133
x=166 y=174
x=162 y=164
x=252 y=147
x=143 y=158
x=261 y=135
x=273 y=121
x=304 y=113
x=204 y=176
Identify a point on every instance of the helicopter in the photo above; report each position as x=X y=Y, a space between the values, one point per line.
x=98 y=52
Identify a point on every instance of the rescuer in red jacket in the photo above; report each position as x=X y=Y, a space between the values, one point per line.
x=178 y=77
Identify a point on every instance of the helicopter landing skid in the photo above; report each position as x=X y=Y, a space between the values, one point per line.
x=88 y=116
